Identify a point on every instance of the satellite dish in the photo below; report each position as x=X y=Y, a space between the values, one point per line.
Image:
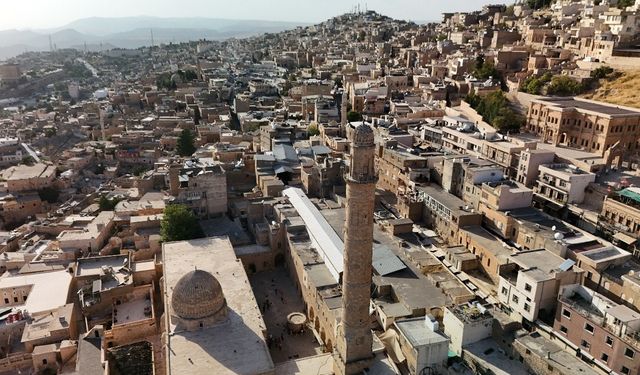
x=553 y=228
x=558 y=236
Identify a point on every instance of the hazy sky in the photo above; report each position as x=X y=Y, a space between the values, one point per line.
x=36 y=14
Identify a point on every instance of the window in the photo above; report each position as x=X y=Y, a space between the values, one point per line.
x=15 y=299
x=527 y=287
x=609 y=341
x=566 y=313
x=585 y=344
x=588 y=327
x=629 y=353
x=515 y=298
x=624 y=370
x=564 y=330
x=589 y=275
x=504 y=291
x=604 y=357
x=527 y=307
x=6 y=300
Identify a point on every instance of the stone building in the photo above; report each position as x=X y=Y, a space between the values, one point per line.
x=200 y=184
x=607 y=130
x=211 y=323
x=599 y=327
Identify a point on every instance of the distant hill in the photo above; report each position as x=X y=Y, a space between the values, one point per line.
x=133 y=32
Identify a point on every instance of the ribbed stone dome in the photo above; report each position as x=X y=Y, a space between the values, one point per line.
x=363 y=135
x=198 y=295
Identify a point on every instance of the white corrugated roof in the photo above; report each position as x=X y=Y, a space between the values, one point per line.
x=324 y=238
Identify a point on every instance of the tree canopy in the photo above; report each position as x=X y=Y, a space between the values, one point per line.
x=353 y=116
x=313 y=130
x=538 y=4
x=485 y=69
x=548 y=84
x=185 y=146
x=107 y=204
x=494 y=109
x=601 y=72
x=564 y=86
x=179 y=224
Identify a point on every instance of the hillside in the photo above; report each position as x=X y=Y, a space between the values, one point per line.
x=622 y=90
x=133 y=32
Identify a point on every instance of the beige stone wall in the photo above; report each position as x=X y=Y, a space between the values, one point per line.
x=619 y=213
x=319 y=315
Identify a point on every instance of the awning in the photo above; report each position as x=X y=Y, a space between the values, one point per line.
x=625 y=238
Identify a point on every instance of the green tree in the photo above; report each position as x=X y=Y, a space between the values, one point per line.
x=28 y=160
x=107 y=204
x=494 y=109
x=179 y=224
x=535 y=85
x=622 y=4
x=601 y=72
x=49 y=194
x=507 y=121
x=186 y=143
x=564 y=86
x=313 y=130
x=485 y=69
x=353 y=116
x=539 y=4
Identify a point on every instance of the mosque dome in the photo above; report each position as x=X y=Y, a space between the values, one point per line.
x=363 y=135
x=198 y=296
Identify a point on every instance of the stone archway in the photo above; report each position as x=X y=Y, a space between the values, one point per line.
x=329 y=346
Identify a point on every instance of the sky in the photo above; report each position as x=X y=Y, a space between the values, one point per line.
x=39 y=14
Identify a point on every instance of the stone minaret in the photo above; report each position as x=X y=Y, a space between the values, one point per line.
x=354 y=339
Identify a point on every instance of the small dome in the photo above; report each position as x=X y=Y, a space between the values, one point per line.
x=363 y=135
x=198 y=295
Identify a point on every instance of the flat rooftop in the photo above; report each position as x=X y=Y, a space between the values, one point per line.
x=418 y=333
x=562 y=361
x=48 y=292
x=92 y=266
x=539 y=264
x=243 y=349
x=489 y=241
x=589 y=106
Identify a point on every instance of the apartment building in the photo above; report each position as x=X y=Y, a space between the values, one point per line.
x=400 y=171
x=201 y=184
x=445 y=212
x=621 y=212
x=602 y=329
x=529 y=284
x=529 y=163
x=563 y=183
